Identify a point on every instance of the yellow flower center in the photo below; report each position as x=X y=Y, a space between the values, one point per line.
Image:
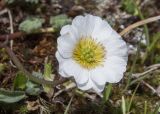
x=88 y=53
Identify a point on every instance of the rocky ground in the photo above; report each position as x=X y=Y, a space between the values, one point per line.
x=32 y=49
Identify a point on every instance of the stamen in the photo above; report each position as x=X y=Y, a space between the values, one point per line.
x=88 y=53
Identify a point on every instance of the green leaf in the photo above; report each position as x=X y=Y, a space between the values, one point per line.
x=11 y=96
x=59 y=21
x=20 y=81
x=33 y=88
x=37 y=74
x=9 y=1
x=152 y=47
x=2 y=67
x=130 y=7
x=30 y=1
x=47 y=70
x=107 y=92
x=123 y=105
x=48 y=76
x=156 y=110
x=157 y=58
x=31 y=25
x=33 y=1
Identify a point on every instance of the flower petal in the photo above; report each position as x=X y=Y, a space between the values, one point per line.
x=90 y=24
x=61 y=60
x=116 y=47
x=59 y=57
x=64 y=46
x=115 y=67
x=85 y=86
x=102 y=30
x=82 y=77
x=65 y=29
x=70 y=68
x=112 y=71
x=78 y=22
x=71 y=30
x=98 y=75
x=118 y=62
x=98 y=88
x=84 y=24
x=91 y=85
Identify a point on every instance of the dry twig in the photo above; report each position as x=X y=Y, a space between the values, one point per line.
x=150 y=87
x=139 y=23
x=137 y=75
x=141 y=76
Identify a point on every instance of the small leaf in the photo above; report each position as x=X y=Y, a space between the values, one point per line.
x=130 y=7
x=30 y=1
x=123 y=105
x=9 y=1
x=11 y=96
x=47 y=70
x=32 y=88
x=37 y=74
x=33 y=1
x=20 y=81
x=31 y=25
x=48 y=76
x=107 y=92
x=59 y=21
x=2 y=67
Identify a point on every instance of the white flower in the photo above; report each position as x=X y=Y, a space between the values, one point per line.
x=92 y=52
